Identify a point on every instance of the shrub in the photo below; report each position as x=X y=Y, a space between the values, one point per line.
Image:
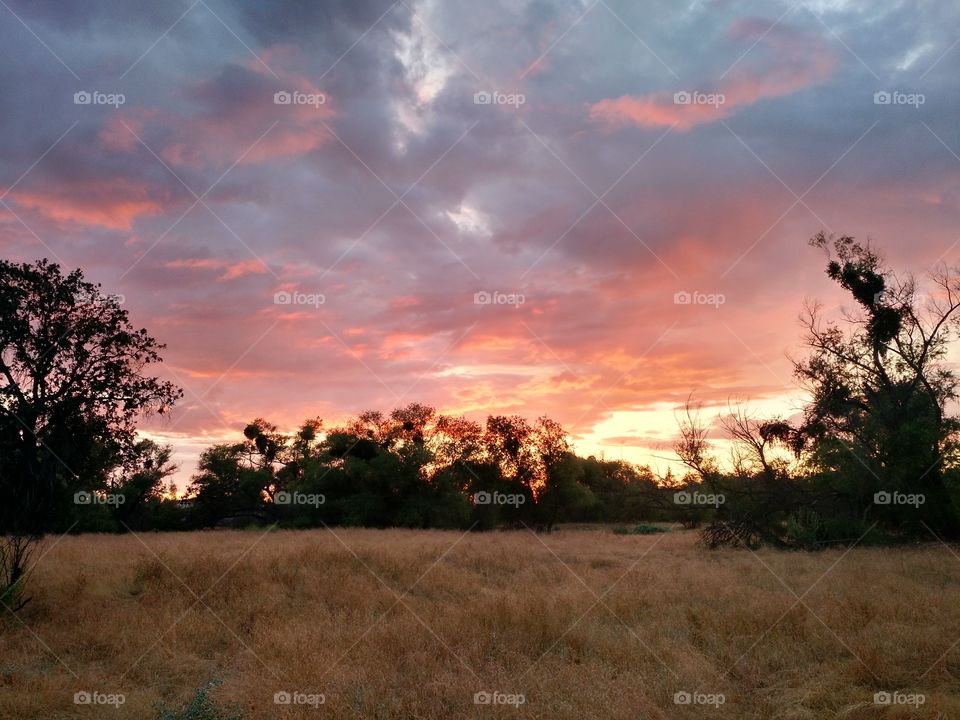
x=641 y=529
x=201 y=707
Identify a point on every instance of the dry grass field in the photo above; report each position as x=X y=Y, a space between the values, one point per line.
x=412 y=624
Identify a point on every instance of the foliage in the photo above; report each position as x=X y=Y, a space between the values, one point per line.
x=73 y=382
x=875 y=454
x=412 y=467
x=201 y=707
x=641 y=529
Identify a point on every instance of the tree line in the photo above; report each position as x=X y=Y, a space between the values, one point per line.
x=872 y=457
x=412 y=467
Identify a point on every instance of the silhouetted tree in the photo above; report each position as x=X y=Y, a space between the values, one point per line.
x=880 y=386
x=227 y=487
x=876 y=447
x=140 y=482
x=73 y=381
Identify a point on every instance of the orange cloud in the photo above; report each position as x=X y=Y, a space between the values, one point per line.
x=211 y=141
x=231 y=270
x=794 y=61
x=112 y=204
x=658 y=110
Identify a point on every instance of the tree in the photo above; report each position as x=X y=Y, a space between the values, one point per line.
x=140 y=483
x=73 y=381
x=877 y=449
x=228 y=485
x=563 y=491
x=880 y=386
x=510 y=443
x=622 y=491
x=693 y=447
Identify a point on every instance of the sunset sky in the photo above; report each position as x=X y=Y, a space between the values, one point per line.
x=583 y=164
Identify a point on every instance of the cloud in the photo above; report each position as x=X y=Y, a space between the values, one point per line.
x=231 y=270
x=238 y=117
x=791 y=61
x=112 y=204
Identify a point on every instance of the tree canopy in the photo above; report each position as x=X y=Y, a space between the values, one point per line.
x=74 y=378
x=876 y=447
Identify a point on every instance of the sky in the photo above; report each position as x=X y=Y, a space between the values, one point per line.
x=584 y=209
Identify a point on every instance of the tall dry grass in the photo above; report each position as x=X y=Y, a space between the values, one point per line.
x=411 y=624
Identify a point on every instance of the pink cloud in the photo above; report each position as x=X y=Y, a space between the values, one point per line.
x=657 y=110
x=120 y=130
x=231 y=270
x=253 y=126
x=113 y=204
x=212 y=141
x=235 y=118
x=794 y=60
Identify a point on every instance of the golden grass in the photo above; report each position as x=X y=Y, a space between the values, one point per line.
x=318 y=612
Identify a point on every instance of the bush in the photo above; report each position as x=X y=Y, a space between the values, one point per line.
x=730 y=533
x=201 y=707
x=804 y=529
x=641 y=529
